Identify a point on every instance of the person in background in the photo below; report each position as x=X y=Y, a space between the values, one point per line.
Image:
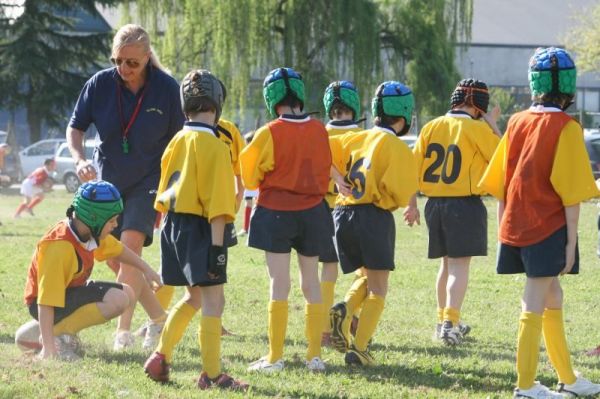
x=34 y=186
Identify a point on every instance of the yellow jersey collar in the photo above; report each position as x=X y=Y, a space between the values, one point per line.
x=200 y=127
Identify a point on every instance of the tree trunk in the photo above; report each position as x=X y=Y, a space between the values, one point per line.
x=34 y=121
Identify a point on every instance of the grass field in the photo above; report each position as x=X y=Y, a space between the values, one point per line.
x=410 y=365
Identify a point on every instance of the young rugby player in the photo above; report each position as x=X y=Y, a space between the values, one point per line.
x=382 y=172
x=452 y=153
x=540 y=174
x=342 y=106
x=34 y=185
x=289 y=161
x=197 y=195
x=58 y=292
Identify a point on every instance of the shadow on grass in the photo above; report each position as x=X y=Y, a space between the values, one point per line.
x=7 y=338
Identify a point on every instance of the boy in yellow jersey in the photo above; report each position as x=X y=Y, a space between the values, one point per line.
x=381 y=169
x=452 y=153
x=228 y=133
x=197 y=194
x=342 y=106
x=58 y=292
x=540 y=174
x=289 y=161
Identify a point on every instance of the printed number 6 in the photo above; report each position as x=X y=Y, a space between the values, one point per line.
x=441 y=159
x=357 y=178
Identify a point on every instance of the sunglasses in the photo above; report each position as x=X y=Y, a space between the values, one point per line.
x=131 y=63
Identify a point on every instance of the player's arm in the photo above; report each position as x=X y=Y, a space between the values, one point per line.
x=572 y=216
x=343 y=186
x=239 y=196
x=46 y=319
x=491 y=119
x=257 y=158
x=129 y=257
x=411 y=213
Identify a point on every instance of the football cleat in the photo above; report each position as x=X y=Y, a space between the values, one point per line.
x=451 y=335
x=358 y=358
x=157 y=368
x=581 y=387
x=315 y=364
x=263 y=366
x=340 y=324
x=152 y=336
x=537 y=391
x=222 y=381
x=123 y=341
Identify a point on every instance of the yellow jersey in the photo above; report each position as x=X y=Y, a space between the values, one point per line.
x=452 y=153
x=196 y=176
x=228 y=133
x=379 y=166
x=335 y=128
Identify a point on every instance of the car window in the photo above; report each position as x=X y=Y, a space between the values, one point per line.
x=595 y=144
x=46 y=148
x=89 y=152
x=65 y=153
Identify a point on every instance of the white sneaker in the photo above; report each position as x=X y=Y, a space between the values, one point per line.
x=67 y=347
x=437 y=333
x=123 y=340
x=316 y=364
x=581 y=387
x=141 y=332
x=152 y=336
x=263 y=366
x=537 y=391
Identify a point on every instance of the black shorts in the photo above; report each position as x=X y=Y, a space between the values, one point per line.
x=138 y=213
x=329 y=254
x=279 y=231
x=76 y=297
x=184 y=244
x=543 y=259
x=457 y=227
x=365 y=235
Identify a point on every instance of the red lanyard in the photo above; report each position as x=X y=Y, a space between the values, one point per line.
x=133 y=117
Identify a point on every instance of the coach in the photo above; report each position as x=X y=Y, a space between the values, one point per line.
x=136 y=110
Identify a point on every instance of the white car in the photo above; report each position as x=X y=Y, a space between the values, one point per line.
x=65 y=165
x=409 y=139
x=33 y=157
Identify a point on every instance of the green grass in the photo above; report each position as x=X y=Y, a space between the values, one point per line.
x=410 y=365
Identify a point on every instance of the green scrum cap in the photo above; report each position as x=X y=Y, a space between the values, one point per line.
x=95 y=203
x=343 y=92
x=552 y=71
x=278 y=84
x=394 y=99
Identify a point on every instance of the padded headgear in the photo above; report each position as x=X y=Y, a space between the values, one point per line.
x=552 y=71
x=473 y=93
x=95 y=203
x=342 y=92
x=280 y=83
x=394 y=99
x=201 y=85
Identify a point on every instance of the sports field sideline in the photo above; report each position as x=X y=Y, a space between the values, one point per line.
x=409 y=363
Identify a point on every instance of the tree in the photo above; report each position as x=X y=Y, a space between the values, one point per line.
x=44 y=64
x=366 y=41
x=584 y=39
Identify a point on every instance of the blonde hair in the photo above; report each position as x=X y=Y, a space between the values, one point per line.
x=132 y=34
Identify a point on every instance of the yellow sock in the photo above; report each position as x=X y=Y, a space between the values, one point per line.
x=528 y=348
x=177 y=322
x=369 y=318
x=356 y=295
x=440 y=315
x=278 y=318
x=556 y=345
x=327 y=294
x=313 y=313
x=209 y=336
x=453 y=315
x=164 y=295
x=85 y=316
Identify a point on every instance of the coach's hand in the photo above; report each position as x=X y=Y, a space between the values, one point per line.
x=217 y=262
x=85 y=170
